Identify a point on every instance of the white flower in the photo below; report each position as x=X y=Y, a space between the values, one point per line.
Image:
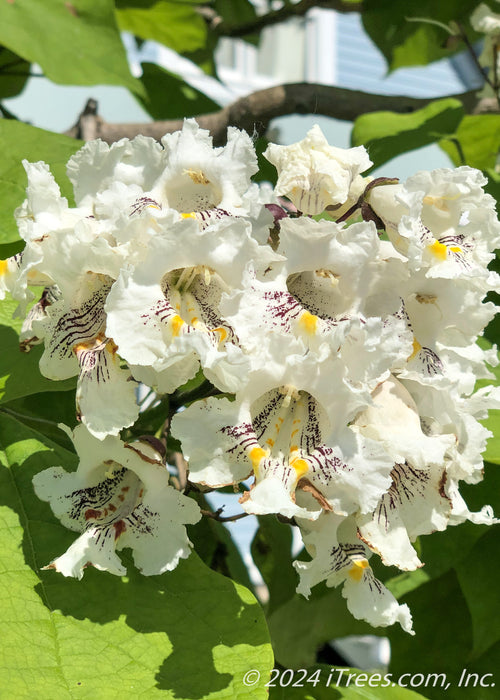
x=118 y=497
x=187 y=174
x=443 y=321
x=9 y=271
x=394 y=421
x=340 y=558
x=443 y=222
x=484 y=20
x=75 y=344
x=37 y=315
x=44 y=210
x=313 y=174
x=443 y=412
x=317 y=296
x=415 y=504
x=165 y=311
x=289 y=427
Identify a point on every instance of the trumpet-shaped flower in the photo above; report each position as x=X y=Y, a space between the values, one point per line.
x=443 y=221
x=290 y=430
x=118 y=497
x=317 y=295
x=187 y=174
x=339 y=558
x=313 y=174
x=415 y=504
x=76 y=344
x=164 y=313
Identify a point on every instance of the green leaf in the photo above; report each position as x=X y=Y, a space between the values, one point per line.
x=493 y=186
x=413 y=43
x=267 y=171
x=300 y=627
x=168 y=96
x=271 y=552
x=188 y=634
x=443 y=636
x=175 y=24
x=75 y=42
x=456 y=613
x=44 y=413
x=387 y=134
x=13 y=73
x=492 y=452
x=476 y=141
x=480 y=590
x=7 y=250
x=213 y=541
x=18 y=141
x=236 y=13
x=19 y=372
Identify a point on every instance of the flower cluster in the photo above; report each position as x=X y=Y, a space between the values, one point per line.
x=341 y=321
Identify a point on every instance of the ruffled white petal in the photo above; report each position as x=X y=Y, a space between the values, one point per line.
x=118 y=497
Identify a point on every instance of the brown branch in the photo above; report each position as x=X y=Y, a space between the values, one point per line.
x=221 y=519
x=288 y=11
x=254 y=112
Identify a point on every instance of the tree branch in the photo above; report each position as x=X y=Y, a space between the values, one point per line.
x=254 y=112
x=298 y=9
x=221 y=519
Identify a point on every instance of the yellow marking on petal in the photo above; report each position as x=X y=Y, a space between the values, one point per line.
x=222 y=332
x=416 y=349
x=294 y=432
x=80 y=347
x=438 y=249
x=308 y=322
x=358 y=568
x=176 y=323
x=4 y=267
x=256 y=455
x=270 y=442
x=188 y=215
x=111 y=347
x=33 y=275
x=194 y=321
x=300 y=467
x=456 y=249
x=294 y=448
